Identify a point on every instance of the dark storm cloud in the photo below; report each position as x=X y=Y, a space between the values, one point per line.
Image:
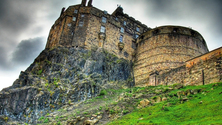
x=27 y=51
x=3 y=59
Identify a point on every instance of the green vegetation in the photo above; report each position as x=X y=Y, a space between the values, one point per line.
x=103 y=92
x=39 y=72
x=202 y=108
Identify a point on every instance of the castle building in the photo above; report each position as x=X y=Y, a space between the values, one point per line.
x=153 y=51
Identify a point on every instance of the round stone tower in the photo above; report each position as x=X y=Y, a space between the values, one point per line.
x=164 y=48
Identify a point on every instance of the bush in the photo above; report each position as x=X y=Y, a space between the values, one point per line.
x=103 y=92
x=111 y=111
x=166 y=109
x=125 y=111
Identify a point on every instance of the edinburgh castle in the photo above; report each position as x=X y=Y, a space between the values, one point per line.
x=163 y=55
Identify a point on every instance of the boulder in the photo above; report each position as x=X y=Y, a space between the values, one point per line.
x=144 y=103
x=164 y=99
x=158 y=99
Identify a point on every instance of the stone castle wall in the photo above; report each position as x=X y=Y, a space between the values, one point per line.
x=159 y=54
x=202 y=70
x=165 y=48
x=83 y=29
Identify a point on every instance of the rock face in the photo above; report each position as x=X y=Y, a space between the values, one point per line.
x=62 y=76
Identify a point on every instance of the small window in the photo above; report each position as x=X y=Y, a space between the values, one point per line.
x=82 y=15
x=81 y=23
x=136 y=36
x=104 y=19
x=121 y=38
x=116 y=19
x=74 y=18
x=137 y=29
x=69 y=25
x=124 y=23
x=75 y=11
x=105 y=12
x=103 y=29
x=122 y=30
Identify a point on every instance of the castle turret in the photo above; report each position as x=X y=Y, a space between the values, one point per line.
x=164 y=48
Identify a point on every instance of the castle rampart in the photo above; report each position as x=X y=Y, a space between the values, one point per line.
x=201 y=70
x=165 y=48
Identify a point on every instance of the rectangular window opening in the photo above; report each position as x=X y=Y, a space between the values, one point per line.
x=103 y=29
x=82 y=15
x=81 y=23
x=121 y=38
x=122 y=30
x=137 y=29
x=104 y=19
x=75 y=11
x=74 y=18
x=136 y=36
x=124 y=23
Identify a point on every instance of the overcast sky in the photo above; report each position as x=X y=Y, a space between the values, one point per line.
x=25 y=24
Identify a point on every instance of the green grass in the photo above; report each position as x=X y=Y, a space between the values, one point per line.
x=189 y=112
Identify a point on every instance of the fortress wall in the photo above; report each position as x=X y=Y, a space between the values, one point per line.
x=204 y=69
x=81 y=31
x=112 y=34
x=165 y=48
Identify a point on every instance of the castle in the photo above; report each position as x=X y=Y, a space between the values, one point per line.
x=162 y=56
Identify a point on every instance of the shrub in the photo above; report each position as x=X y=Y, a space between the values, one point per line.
x=111 y=111
x=46 y=120
x=166 y=109
x=103 y=92
x=125 y=111
x=39 y=72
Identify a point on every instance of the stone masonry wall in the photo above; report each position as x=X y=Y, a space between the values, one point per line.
x=204 y=69
x=165 y=48
x=82 y=29
x=112 y=34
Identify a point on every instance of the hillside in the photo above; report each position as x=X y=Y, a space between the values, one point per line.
x=175 y=104
x=188 y=105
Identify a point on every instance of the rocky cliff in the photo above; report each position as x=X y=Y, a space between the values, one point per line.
x=62 y=76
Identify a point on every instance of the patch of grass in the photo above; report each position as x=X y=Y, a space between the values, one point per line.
x=201 y=109
x=39 y=72
x=103 y=92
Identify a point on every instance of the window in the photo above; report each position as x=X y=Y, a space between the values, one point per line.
x=75 y=11
x=104 y=19
x=122 y=30
x=82 y=15
x=103 y=29
x=137 y=29
x=74 y=18
x=105 y=12
x=121 y=38
x=81 y=23
x=136 y=36
x=69 y=25
x=124 y=23
x=116 y=19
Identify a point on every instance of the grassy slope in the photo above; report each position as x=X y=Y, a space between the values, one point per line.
x=189 y=112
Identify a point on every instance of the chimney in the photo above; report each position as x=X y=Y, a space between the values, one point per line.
x=62 y=11
x=83 y=3
x=90 y=3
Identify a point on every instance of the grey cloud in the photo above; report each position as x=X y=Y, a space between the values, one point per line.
x=3 y=59
x=27 y=51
